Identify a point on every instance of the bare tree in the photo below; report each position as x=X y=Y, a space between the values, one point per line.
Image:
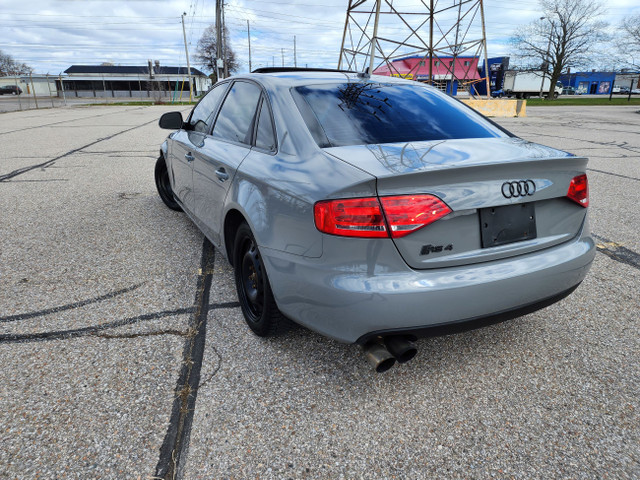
x=564 y=37
x=631 y=38
x=206 y=53
x=8 y=66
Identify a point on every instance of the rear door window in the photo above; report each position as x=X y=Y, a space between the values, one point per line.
x=371 y=113
x=235 y=121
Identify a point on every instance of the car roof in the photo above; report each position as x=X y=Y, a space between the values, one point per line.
x=296 y=78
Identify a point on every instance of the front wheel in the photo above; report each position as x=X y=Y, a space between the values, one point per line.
x=252 y=285
x=164 y=185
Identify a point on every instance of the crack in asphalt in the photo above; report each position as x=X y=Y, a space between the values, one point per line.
x=621 y=145
x=48 y=163
x=84 y=331
x=68 y=121
x=153 y=333
x=617 y=252
x=69 y=306
x=614 y=174
x=90 y=330
x=39 y=181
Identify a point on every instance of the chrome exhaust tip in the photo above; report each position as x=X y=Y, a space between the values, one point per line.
x=401 y=348
x=378 y=356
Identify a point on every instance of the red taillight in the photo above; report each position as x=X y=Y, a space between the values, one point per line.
x=579 y=190
x=408 y=213
x=351 y=217
x=366 y=217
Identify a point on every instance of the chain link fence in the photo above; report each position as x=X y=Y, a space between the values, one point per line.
x=48 y=91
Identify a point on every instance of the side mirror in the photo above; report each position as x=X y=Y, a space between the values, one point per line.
x=171 y=121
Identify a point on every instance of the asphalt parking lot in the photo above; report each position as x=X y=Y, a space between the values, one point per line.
x=123 y=352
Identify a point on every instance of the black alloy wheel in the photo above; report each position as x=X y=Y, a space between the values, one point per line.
x=164 y=185
x=254 y=291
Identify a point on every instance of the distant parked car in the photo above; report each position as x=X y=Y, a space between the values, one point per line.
x=10 y=90
x=635 y=91
x=621 y=90
x=569 y=91
x=497 y=93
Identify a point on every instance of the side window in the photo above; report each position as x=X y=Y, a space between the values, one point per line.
x=202 y=115
x=237 y=112
x=265 y=138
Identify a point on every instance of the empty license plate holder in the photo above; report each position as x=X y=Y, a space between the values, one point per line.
x=507 y=224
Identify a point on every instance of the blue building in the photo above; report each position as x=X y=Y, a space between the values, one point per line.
x=592 y=83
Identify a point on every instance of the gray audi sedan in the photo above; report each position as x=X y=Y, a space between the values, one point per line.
x=372 y=209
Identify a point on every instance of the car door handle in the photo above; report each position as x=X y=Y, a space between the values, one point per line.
x=222 y=174
x=189 y=157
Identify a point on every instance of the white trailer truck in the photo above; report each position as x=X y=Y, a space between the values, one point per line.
x=527 y=84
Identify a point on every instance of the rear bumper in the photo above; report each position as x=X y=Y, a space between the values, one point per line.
x=468 y=323
x=373 y=293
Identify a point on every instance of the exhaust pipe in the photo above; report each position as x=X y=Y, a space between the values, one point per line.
x=378 y=356
x=401 y=348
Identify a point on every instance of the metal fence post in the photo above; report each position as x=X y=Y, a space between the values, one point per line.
x=18 y=95
x=64 y=96
x=50 y=94
x=35 y=97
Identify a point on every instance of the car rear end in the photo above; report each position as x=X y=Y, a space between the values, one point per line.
x=466 y=223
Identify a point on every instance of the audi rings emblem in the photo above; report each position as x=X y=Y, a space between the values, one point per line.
x=518 y=188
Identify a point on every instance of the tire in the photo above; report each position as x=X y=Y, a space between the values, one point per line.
x=164 y=185
x=555 y=95
x=254 y=291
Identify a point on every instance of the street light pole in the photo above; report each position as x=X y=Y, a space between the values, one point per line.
x=546 y=61
x=186 y=52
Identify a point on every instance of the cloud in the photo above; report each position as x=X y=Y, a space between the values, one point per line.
x=51 y=35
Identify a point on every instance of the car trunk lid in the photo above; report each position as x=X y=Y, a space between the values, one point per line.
x=508 y=196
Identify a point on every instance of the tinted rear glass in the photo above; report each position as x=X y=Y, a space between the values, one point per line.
x=365 y=113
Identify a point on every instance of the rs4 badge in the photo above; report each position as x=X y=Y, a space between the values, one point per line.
x=427 y=249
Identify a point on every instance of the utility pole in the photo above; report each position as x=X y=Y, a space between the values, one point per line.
x=219 y=58
x=186 y=52
x=249 y=39
x=486 y=55
x=224 y=44
x=295 y=60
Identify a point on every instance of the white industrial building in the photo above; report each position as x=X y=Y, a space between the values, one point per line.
x=42 y=85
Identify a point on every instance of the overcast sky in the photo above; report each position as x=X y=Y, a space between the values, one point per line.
x=51 y=35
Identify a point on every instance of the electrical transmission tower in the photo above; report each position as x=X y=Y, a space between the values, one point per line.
x=378 y=32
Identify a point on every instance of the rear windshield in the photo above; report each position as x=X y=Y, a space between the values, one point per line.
x=366 y=113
